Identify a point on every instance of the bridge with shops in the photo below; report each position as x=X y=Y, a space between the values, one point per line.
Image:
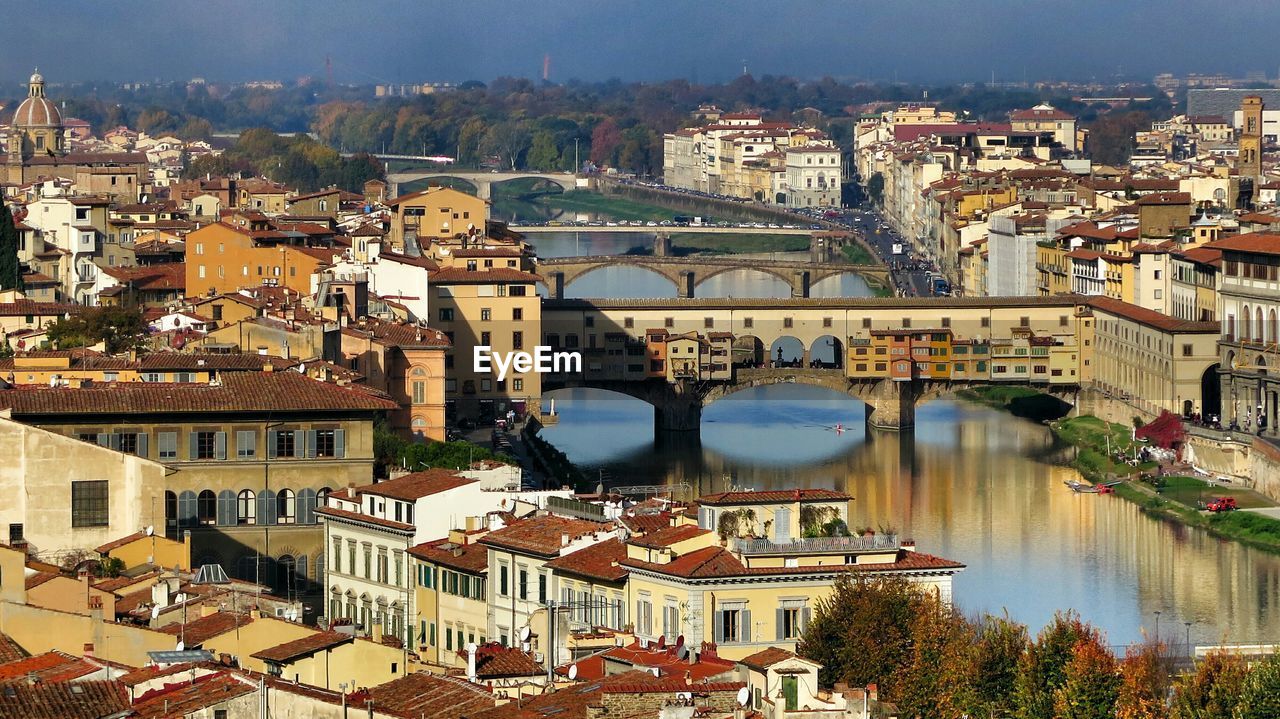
x=795 y=341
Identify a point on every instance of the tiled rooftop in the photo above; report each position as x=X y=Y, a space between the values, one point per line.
x=541 y=535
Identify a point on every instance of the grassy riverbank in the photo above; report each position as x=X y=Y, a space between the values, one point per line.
x=1172 y=498
x=616 y=207
x=857 y=254
x=1019 y=401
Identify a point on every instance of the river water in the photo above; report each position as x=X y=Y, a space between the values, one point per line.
x=972 y=484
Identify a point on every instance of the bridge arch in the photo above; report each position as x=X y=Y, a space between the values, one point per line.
x=748 y=350
x=829 y=350
x=609 y=271
x=788 y=350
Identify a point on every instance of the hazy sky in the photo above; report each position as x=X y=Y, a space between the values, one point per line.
x=704 y=40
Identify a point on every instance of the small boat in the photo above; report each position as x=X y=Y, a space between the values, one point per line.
x=1081 y=487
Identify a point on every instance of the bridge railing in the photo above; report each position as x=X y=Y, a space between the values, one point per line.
x=818 y=545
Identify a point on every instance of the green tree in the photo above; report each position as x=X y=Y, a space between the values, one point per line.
x=10 y=274
x=1091 y=683
x=1043 y=667
x=508 y=141
x=117 y=328
x=861 y=632
x=469 y=138
x=543 y=154
x=1260 y=695
x=875 y=188
x=1001 y=644
x=938 y=678
x=1213 y=690
x=1145 y=679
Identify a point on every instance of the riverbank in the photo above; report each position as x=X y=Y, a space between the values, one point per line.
x=1019 y=401
x=619 y=208
x=1173 y=498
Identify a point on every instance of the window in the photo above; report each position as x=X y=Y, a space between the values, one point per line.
x=246 y=512
x=206 y=508
x=542 y=588
x=517 y=340
x=630 y=322
x=246 y=443
x=284 y=444
x=524 y=583
x=326 y=443
x=484 y=339
x=419 y=392
x=286 y=506
x=517 y=314
x=1187 y=350
x=826 y=321
x=89 y=503
x=368 y=561
x=168 y=442
x=502 y=580
x=731 y=625
x=335 y=564
x=787 y=322
x=791 y=623
x=205 y=444
x=446 y=314
x=517 y=384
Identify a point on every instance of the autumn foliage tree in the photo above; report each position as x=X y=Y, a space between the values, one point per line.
x=1260 y=692
x=1213 y=690
x=1043 y=668
x=1091 y=682
x=1145 y=675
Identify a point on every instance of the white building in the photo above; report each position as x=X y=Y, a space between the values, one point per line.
x=813 y=175
x=65 y=222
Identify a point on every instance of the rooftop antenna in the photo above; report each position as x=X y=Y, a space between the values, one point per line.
x=744 y=66
x=546 y=67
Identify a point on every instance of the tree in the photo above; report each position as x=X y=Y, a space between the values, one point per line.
x=118 y=328
x=1213 y=690
x=875 y=188
x=543 y=154
x=861 y=632
x=10 y=274
x=1001 y=644
x=1260 y=695
x=605 y=140
x=1092 y=683
x=938 y=678
x=507 y=140
x=1043 y=667
x=1145 y=678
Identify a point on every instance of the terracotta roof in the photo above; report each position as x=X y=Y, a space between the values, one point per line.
x=34 y=580
x=1258 y=243
x=9 y=650
x=417 y=485
x=1204 y=256
x=358 y=517
x=397 y=334
x=115 y=543
x=473 y=558
x=774 y=497
x=190 y=697
x=668 y=536
x=494 y=661
x=487 y=252
x=541 y=535
x=766 y=658
x=643 y=523
x=1165 y=198
x=1040 y=113
x=717 y=562
x=665 y=659
x=599 y=561
x=48 y=667
x=306 y=646
x=460 y=276
x=39 y=309
x=1261 y=218
x=257 y=392
x=424 y=262
x=1152 y=318
x=199 y=631
x=63 y=700
x=424 y=693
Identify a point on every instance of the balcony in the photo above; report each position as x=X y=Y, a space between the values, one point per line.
x=818 y=545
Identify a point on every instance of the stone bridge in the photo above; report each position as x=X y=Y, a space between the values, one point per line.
x=686 y=273
x=483 y=181
x=891 y=404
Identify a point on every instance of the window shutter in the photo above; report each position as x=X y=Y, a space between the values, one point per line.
x=220 y=445
x=804 y=619
x=104 y=439
x=193 y=445
x=143 y=450
x=311 y=444
x=226 y=516
x=719 y=628
x=781 y=620
x=187 y=509
x=266 y=507
x=745 y=626
x=340 y=443
x=114 y=440
x=307 y=506
x=299 y=443
x=271 y=444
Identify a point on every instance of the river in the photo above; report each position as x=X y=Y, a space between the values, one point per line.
x=972 y=484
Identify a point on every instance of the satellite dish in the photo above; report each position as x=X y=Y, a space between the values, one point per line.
x=682 y=652
x=744 y=696
x=525 y=633
x=150 y=531
x=180 y=646
x=155 y=611
x=573 y=672
x=656 y=671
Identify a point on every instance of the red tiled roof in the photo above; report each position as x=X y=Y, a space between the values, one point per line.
x=541 y=535
x=417 y=485
x=115 y=543
x=774 y=497
x=306 y=646
x=199 y=631
x=1258 y=243
x=9 y=650
x=717 y=562
x=664 y=659
x=766 y=658
x=38 y=309
x=1036 y=113
x=1204 y=256
x=399 y=334
x=460 y=276
x=427 y=694
x=187 y=698
x=643 y=523
x=358 y=517
x=50 y=666
x=1151 y=318
x=473 y=558
x=63 y=700
x=237 y=392
x=668 y=536
x=1165 y=198
x=165 y=276
x=599 y=561
x=494 y=661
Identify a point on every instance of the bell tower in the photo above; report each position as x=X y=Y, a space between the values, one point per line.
x=1249 y=163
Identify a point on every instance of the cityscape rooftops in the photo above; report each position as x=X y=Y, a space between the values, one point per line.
x=599 y=561
x=773 y=497
x=416 y=485
x=543 y=535
x=473 y=558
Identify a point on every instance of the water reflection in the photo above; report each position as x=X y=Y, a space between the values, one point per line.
x=968 y=485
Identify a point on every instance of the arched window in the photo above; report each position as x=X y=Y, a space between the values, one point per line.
x=246 y=507
x=335 y=604
x=322 y=497
x=1273 y=329
x=1246 y=319
x=1257 y=329
x=207 y=508
x=351 y=605
x=286 y=580
x=419 y=428
x=247 y=568
x=286 y=507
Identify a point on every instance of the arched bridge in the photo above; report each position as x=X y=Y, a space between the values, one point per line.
x=891 y=404
x=483 y=181
x=689 y=272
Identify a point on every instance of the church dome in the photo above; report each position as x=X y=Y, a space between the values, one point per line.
x=37 y=112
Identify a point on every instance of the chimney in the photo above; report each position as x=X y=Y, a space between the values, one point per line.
x=471 y=661
x=872 y=692
x=909 y=545
x=375 y=632
x=564 y=540
x=87 y=650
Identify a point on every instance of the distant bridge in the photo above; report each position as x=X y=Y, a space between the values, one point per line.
x=483 y=181
x=686 y=273
x=611 y=333
x=536 y=229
